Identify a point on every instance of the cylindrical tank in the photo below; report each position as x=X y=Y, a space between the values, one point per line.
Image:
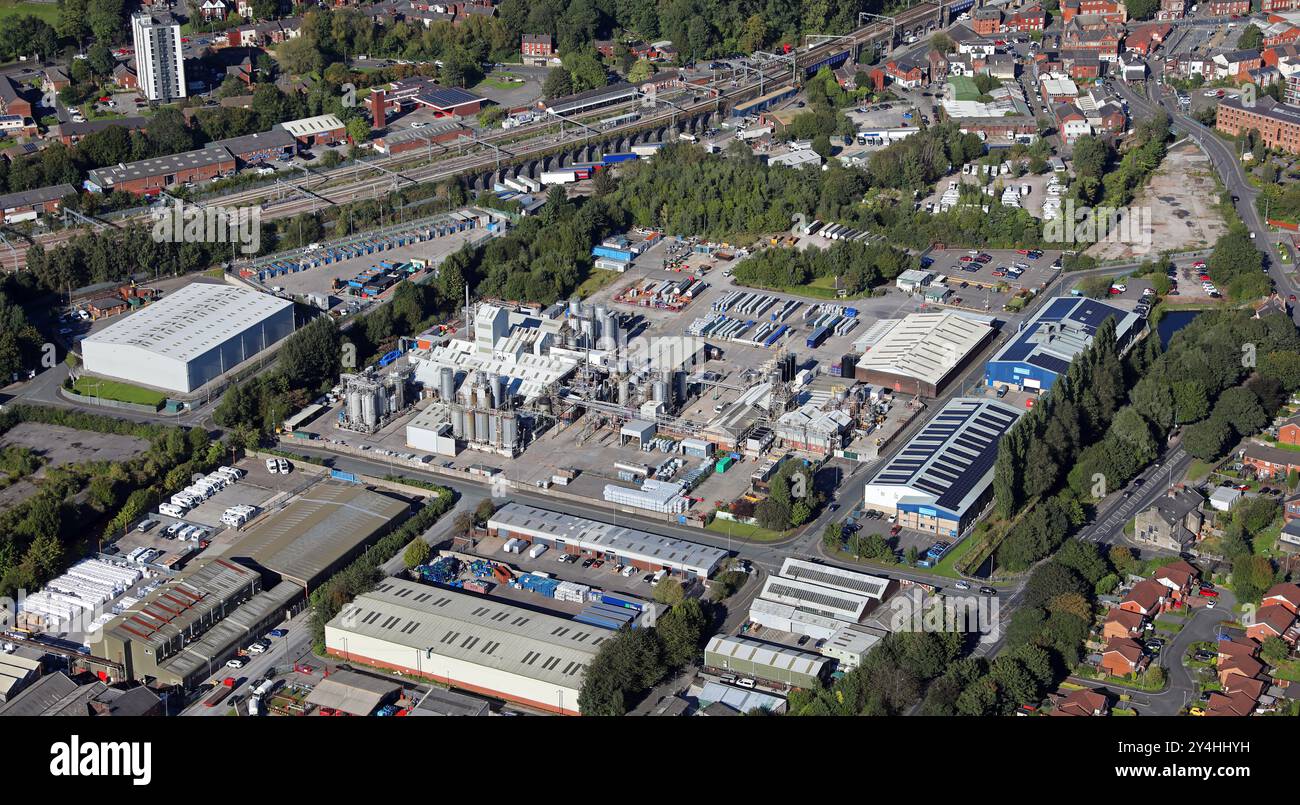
x=510 y=430
x=575 y=307
x=369 y=408
x=458 y=422
x=499 y=391
x=354 y=406
x=447 y=383
x=660 y=392
x=494 y=428
x=624 y=392
x=469 y=425
x=481 y=425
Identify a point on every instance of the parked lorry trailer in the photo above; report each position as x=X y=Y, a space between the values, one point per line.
x=218 y=695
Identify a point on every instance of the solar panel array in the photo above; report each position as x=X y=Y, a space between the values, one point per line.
x=953 y=452
x=862 y=584
x=1063 y=328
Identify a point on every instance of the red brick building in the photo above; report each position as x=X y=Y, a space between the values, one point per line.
x=1270 y=462
x=1226 y=8
x=1289 y=432
x=537 y=48
x=1277 y=124
x=1112 y=11
x=148 y=176
x=1026 y=20
x=987 y=21
x=1122 y=657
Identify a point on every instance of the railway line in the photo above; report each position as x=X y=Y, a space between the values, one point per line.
x=308 y=193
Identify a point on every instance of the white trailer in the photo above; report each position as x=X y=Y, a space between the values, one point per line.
x=559 y=177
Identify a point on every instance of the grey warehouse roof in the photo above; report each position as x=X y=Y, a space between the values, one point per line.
x=626 y=542
x=191 y=321
x=474 y=629
x=160 y=166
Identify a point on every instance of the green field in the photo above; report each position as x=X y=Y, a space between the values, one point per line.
x=10 y=9
x=744 y=531
x=113 y=390
x=963 y=88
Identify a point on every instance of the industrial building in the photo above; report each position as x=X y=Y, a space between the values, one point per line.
x=445 y=101
x=920 y=353
x=657 y=496
x=318 y=533
x=779 y=665
x=815 y=600
x=189 y=337
x=28 y=205
x=940 y=481
x=318 y=130
x=583 y=537
x=850 y=645
x=186 y=629
x=1043 y=348
x=813 y=430
x=371 y=398
x=480 y=644
x=148 y=176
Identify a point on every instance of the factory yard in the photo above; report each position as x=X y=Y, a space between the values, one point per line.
x=320 y=280
x=1182 y=198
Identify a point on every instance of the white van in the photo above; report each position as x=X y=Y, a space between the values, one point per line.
x=272 y=466
x=659 y=576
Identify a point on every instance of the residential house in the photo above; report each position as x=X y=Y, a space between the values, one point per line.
x=1173 y=522
x=1122 y=656
x=1291 y=507
x=1113 y=11
x=212 y=10
x=1081 y=702
x=1289 y=431
x=987 y=21
x=1235 y=64
x=1270 y=462
x=1025 y=20
x=1180 y=577
x=124 y=76
x=1226 y=8
x=12 y=101
x=1146 y=598
x=1240 y=665
x=1120 y=623
x=1236 y=704
x=1273 y=620
x=1289 y=537
x=1071 y=122
x=1285 y=595
x=537 y=49
x=907 y=72
x=1146 y=38
x=1173 y=9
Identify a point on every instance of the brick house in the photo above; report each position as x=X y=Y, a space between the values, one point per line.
x=1274 y=620
x=1146 y=598
x=1241 y=665
x=537 y=49
x=1121 y=623
x=1226 y=8
x=1173 y=522
x=1172 y=9
x=987 y=21
x=1026 y=20
x=12 y=101
x=1081 y=702
x=906 y=73
x=1289 y=431
x=1291 y=508
x=212 y=10
x=1269 y=462
x=1285 y=595
x=1122 y=656
x=1112 y=11
x=1105 y=42
x=1180 y=578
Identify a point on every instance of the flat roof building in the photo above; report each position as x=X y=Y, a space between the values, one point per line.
x=189 y=337
x=481 y=644
x=850 y=645
x=940 y=480
x=920 y=353
x=1042 y=350
x=318 y=533
x=770 y=662
x=151 y=175
x=579 y=535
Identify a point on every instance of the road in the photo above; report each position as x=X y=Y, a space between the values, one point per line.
x=281 y=657
x=1230 y=172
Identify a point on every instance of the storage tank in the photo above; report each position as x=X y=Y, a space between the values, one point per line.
x=499 y=391
x=624 y=392
x=510 y=430
x=447 y=383
x=469 y=425
x=481 y=425
x=494 y=428
x=660 y=392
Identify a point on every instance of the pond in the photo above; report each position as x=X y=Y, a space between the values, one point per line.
x=1172 y=322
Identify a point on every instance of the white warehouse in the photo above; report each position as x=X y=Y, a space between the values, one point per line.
x=190 y=337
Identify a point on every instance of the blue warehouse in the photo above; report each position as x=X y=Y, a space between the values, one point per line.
x=1043 y=348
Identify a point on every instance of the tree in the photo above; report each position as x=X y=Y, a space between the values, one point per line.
x=484 y=510
x=669 y=591
x=641 y=71
x=1207 y=439
x=942 y=43
x=1240 y=409
x=358 y=129
x=558 y=83
x=681 y=630
x=1274 y=651
x=1141 y=9
x=417 y=553
x=1251 y=38
x=821 y=144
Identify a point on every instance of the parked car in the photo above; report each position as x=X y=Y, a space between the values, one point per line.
x=988 y=591
x=236 y=662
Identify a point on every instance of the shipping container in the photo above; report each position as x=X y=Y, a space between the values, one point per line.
x=817 y=336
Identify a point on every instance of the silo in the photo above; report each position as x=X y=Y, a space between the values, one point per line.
x=458 y=422
x=575 y=308
x=660 y=392
x=469 y=426
x=369 y=408
x=481 y=425
x=447 y=383
x=494 y=428
x=354 y=405
x=499 y=391
x=624 y=391
x=510 y=431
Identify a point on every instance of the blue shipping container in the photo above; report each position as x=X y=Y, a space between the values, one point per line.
x=818 y=336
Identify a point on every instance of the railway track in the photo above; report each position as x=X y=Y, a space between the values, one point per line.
x=380 y=184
